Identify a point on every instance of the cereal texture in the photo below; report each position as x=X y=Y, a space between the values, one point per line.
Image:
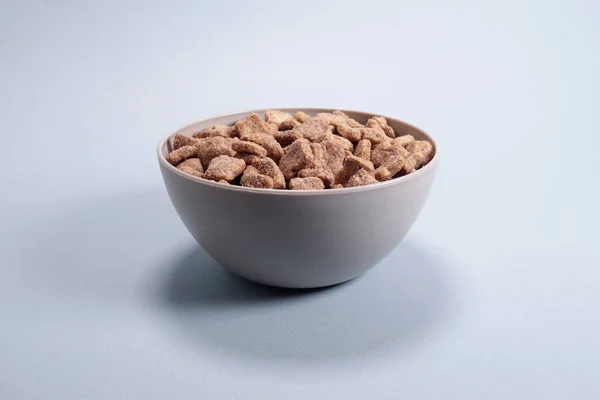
x=301 y=152
x=224 y=168
x=310 y=183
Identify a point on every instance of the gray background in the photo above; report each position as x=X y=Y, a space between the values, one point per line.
x=493 y=295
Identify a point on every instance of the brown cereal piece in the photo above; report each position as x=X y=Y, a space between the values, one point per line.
x=253 y=178
x=390 y=166
x=217 y=130
x=360 y=178
x=384 y=125
x=267 y=166
x=337 y=186
x=363 y=149
x=333 y=156
x=351 y=166
x=352 y=134
x=349 y=121
x=224 y=168
x=242 y=146
x=310 y=183
x=288 y=125
x=421 y=150
x=180 y=140
x=404 y=140
x=323 y=174
x=385 y=150
x=285 y=138
x=224 y=182
x=346 y=144
x=249 y=159
x=252 y=124
x=301 y=117
x=277 y=117
x=267 y=141
x=298 y=156
x=211 y=147
x=383 y=174
x=313 y=129
x=410 y=165
x=181 y=154
x=318 y=153
x=192 y=166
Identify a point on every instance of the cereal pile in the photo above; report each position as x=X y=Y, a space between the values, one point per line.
x=300 y=152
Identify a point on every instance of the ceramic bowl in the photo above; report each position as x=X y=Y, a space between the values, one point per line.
x=298 y=239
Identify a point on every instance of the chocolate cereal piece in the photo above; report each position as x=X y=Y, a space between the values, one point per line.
x=384 y=125
x=349 y=121
x=363 y=149
x=217 y=130
x=253 y=178
x=421 y=152
x=404 y=140
x=333 y=155
x=242 y=146
x=352 y=134
x=288 y=125
x=323 y=174
x=310 y=183
x=384 y=150
x=181 y=154
x=180 y=140
x=277 y=117
x=252 y=124
x=298 y=156
x=285 y=138
x=249 y=159
x=269 y=143
x=224 y=168
x=192 y=166
x=267 y=166
x=312 y=129
x=352 y=165
x=301 y=117
x=211 y=147
x=360 y=178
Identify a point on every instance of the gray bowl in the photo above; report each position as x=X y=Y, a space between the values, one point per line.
x=298 y=239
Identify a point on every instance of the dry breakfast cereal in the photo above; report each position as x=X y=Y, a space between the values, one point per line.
x=299 y=152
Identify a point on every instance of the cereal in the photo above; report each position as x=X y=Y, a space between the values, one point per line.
x=288 y=125
x=242 y=146
x=360 y=178
x=323 y=174
x=267 y=166
x=269 y=143
x=192 y=166
x=252 y=124
x=181 y=154
x=312 y=129
x=404 y=140
x=249 y=159
x=253 y=178
x=211 y=147
x=224 y=168
x=298 y=156
x=217 y=130
x=277 y=117
x=180 y=140
x=285 y=138
x=328 y=150
x=301 y=117
x=310 y=183
x=384 y=125
x=363 y=149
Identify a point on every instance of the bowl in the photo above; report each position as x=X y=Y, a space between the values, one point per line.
x=298 y=239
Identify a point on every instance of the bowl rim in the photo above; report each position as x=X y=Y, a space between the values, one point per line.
x=286 y=192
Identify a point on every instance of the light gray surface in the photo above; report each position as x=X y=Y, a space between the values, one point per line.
x=494 y=294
